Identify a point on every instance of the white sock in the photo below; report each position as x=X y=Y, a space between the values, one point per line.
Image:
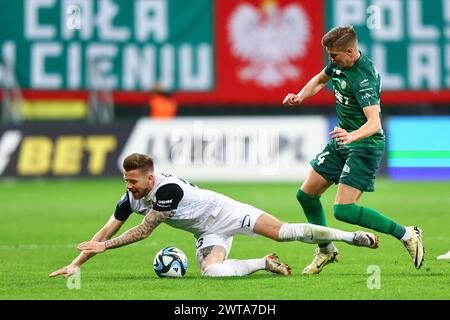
x=407 y=235
x=232 y=267
x=311 y=233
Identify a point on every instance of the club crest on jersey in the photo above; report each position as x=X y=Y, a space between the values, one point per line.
x=343 y=84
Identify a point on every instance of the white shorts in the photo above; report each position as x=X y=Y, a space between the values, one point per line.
x=234 y=218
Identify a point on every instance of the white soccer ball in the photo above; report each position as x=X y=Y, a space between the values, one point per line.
x=170 y=262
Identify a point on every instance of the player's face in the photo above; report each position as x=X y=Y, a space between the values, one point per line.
x=138 y=182
x=343 y=59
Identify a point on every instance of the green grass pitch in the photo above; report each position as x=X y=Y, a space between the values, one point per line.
x=42 y=221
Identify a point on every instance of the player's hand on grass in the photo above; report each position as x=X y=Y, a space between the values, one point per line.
x=291 y=100
x=67 y=271
x=341 y=135
x=92 y=247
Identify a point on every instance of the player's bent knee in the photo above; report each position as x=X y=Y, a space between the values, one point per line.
x=215 y=270
x=268 y=226
x=211 y=270
x=347 y=212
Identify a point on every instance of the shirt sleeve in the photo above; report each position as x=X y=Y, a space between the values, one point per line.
x=123 y=208
x=366 y=90
x=167 y=197
x=329 y=69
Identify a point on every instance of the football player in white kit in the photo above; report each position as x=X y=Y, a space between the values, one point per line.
x=211 y=217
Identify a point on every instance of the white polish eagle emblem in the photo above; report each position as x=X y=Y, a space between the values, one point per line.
x=269 y=38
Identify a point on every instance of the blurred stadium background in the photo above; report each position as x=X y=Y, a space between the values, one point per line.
x=198 y=85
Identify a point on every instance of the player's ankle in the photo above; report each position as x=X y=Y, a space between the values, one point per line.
x=407 y=235
x=329 y=248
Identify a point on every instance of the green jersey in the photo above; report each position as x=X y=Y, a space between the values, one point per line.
x=355 y=88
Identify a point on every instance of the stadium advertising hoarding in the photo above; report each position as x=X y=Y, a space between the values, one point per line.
x=205 y=51
x=231 y=148
x=408 y=40
x=56 y=150
x=201 y=149
x=112 y=44
x=219 y=52
x=419 y=148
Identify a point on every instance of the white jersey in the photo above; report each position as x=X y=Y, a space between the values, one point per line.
x=192 y=209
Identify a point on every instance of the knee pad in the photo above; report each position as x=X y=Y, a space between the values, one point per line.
x=349 y=213
x=309 y=203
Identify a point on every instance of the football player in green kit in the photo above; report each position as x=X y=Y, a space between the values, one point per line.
x=353 y=155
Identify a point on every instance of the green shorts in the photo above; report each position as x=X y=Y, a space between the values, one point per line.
x=352 y=166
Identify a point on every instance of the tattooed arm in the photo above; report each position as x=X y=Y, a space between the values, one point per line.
x=106 y=232
x=139 y=232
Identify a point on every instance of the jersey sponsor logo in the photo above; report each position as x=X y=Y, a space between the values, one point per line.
x=364 y=83
x=341 y=98
x=161 y=202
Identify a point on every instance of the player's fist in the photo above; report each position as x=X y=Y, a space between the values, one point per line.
x=67 y=271
x=291 y=99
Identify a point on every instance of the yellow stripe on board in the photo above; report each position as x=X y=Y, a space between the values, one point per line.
x=54 y=109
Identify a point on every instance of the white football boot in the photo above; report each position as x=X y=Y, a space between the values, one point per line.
x=414 y=246
x=321 y=260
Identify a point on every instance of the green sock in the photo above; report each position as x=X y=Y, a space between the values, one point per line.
x=312 y=207
x=368 y=218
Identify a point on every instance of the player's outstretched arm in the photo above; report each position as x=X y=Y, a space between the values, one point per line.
x=106 y=232
x=137 y=233
x=314 y=85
